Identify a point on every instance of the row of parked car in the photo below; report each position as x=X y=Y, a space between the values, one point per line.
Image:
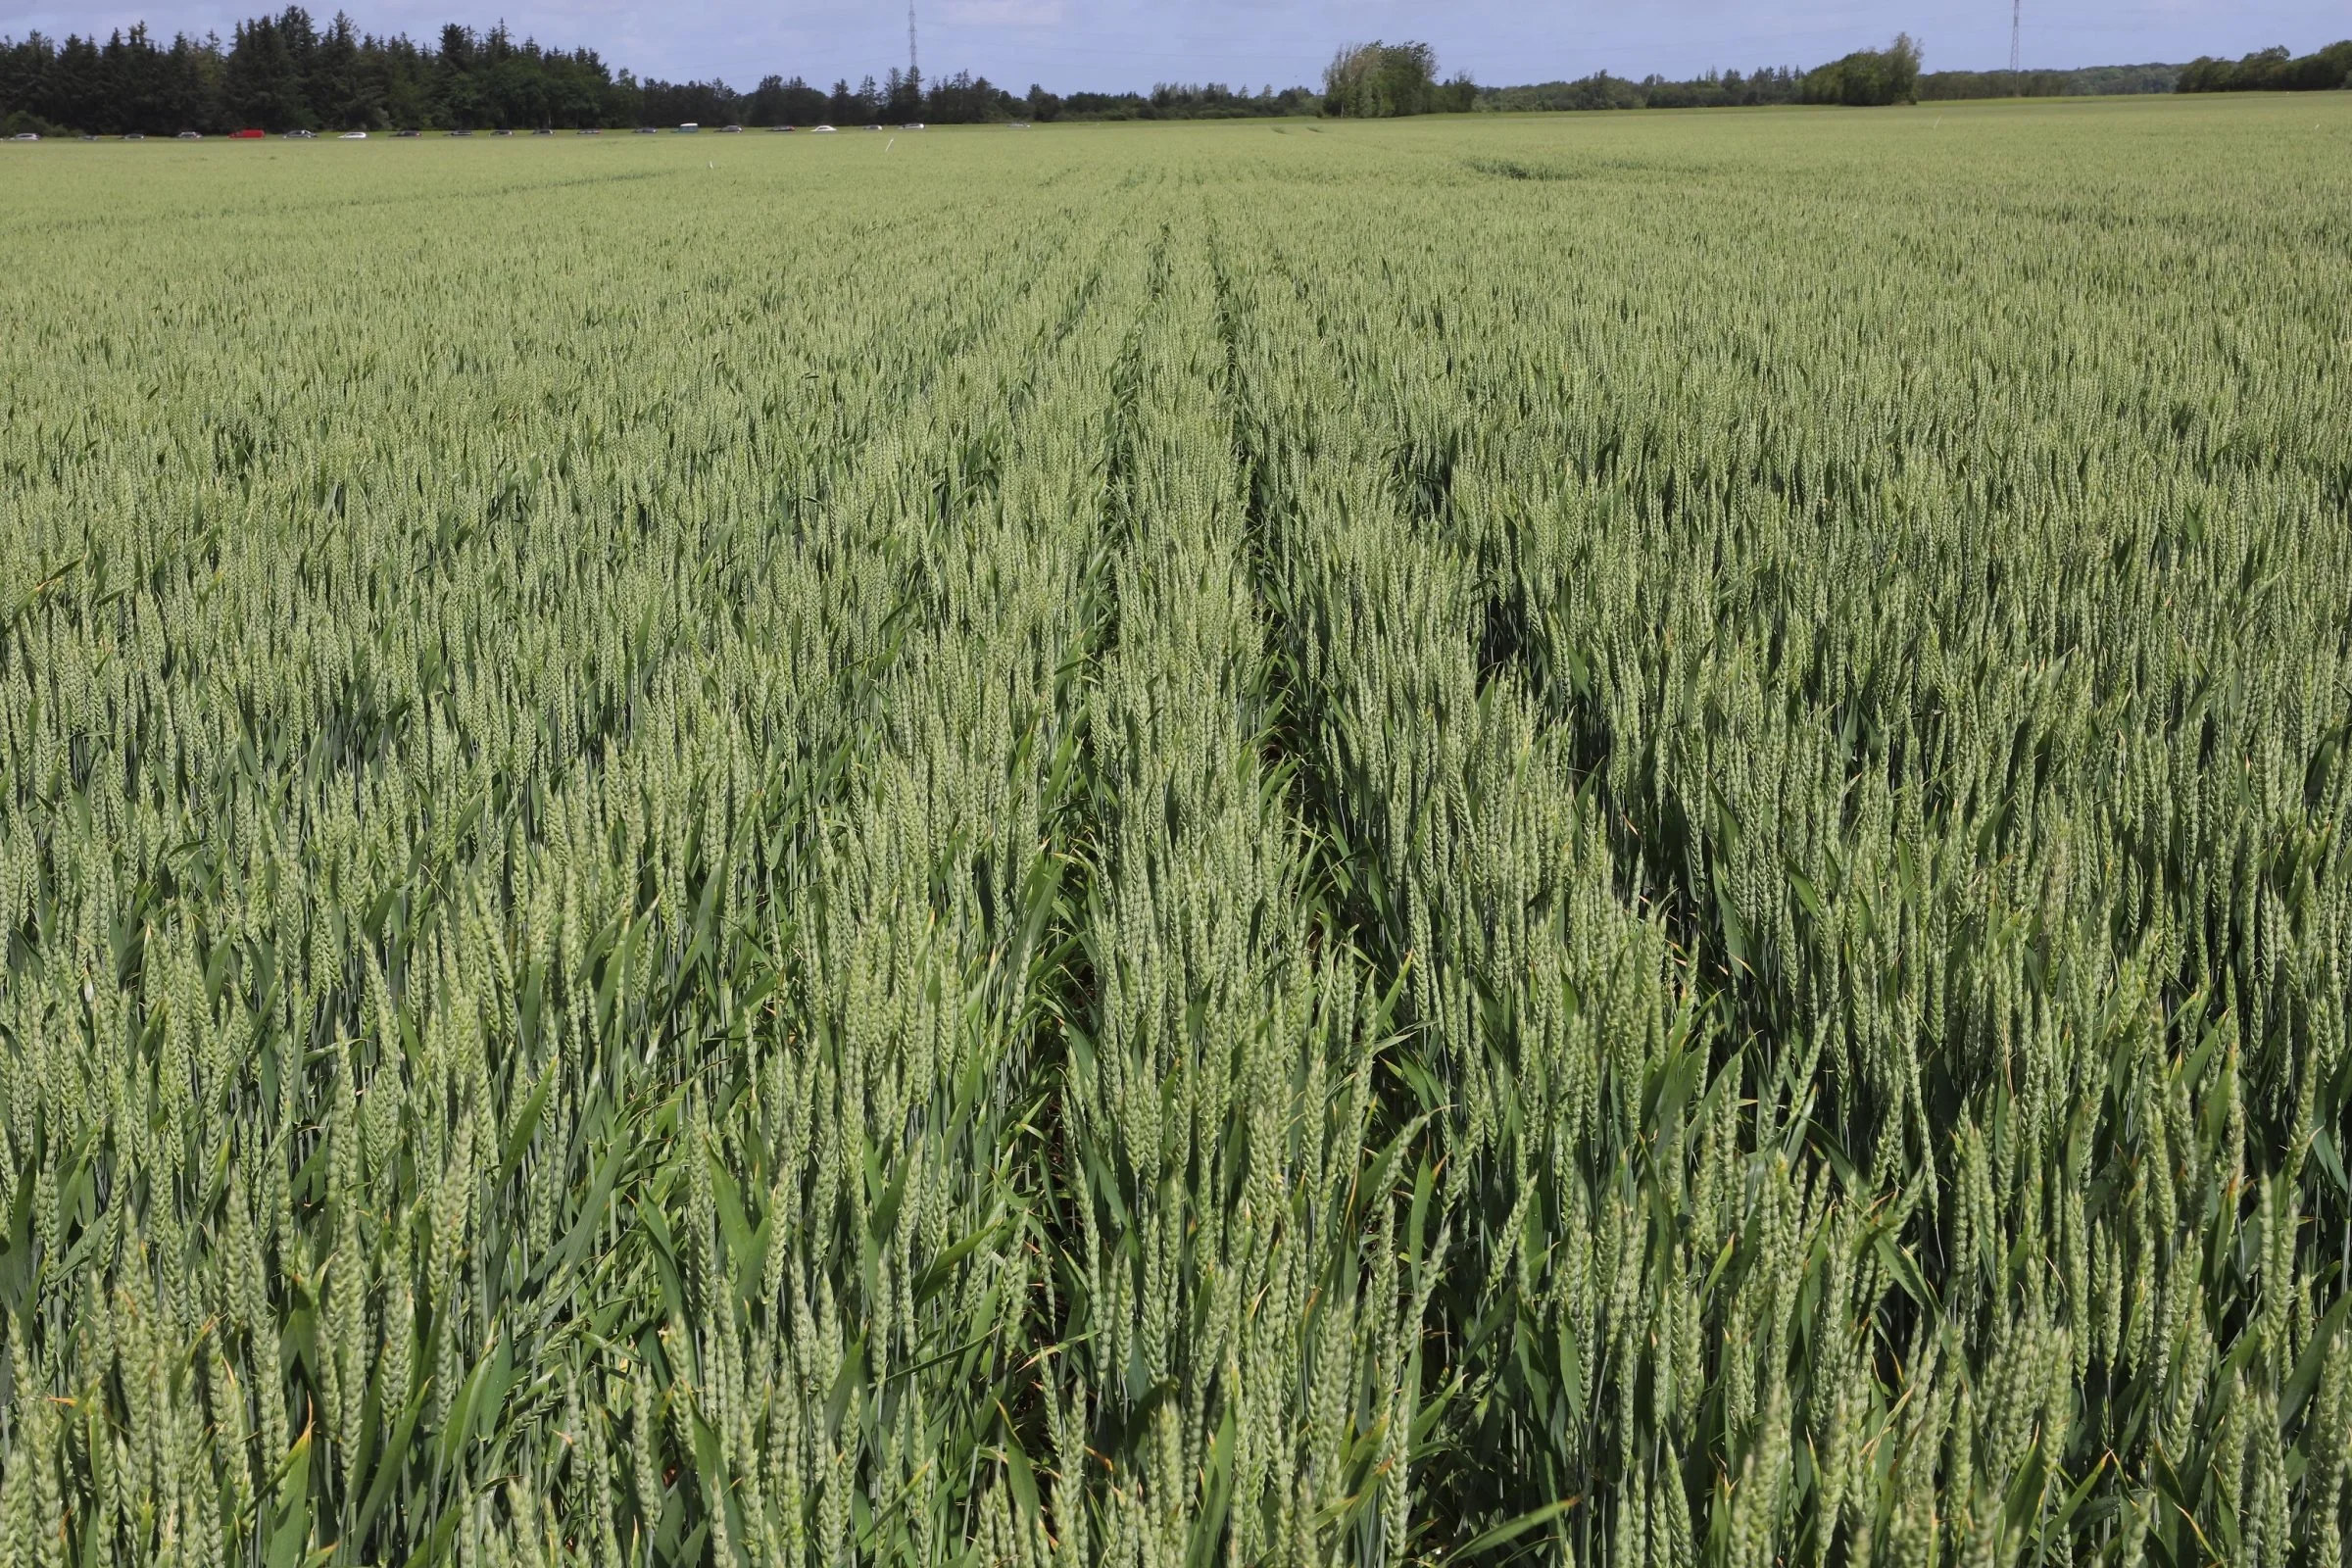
x=136 y=136
x=198 y=135
x=690 y=128
x=687 y=129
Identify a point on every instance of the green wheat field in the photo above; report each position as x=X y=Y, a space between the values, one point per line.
x=1601 y=840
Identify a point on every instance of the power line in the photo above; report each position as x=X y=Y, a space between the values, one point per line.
x=2016 y=8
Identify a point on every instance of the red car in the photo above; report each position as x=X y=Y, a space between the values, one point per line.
x=244 y=135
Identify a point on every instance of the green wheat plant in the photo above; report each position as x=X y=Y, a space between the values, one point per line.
x=1544 y=840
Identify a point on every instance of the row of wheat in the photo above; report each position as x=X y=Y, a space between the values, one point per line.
x=1198 y=875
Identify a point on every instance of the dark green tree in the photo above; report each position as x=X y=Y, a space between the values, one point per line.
x=2271 y=70
x=344 y=95
x=1377 y=81
x=1867 y=77
x=262 y=74
x=902 y=97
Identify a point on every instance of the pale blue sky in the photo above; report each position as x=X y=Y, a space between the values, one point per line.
x=1130 y=43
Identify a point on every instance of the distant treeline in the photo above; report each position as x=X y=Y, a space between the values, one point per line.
x=2272 y=70
x=1767 y=85
x=1173 y=101
x=1867 y=76
x=2090 y=81
x=286 y=73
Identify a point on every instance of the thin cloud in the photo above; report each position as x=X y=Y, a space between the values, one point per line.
x=1007 y=13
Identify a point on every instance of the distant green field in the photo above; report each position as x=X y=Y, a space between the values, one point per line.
x=1602 y=839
